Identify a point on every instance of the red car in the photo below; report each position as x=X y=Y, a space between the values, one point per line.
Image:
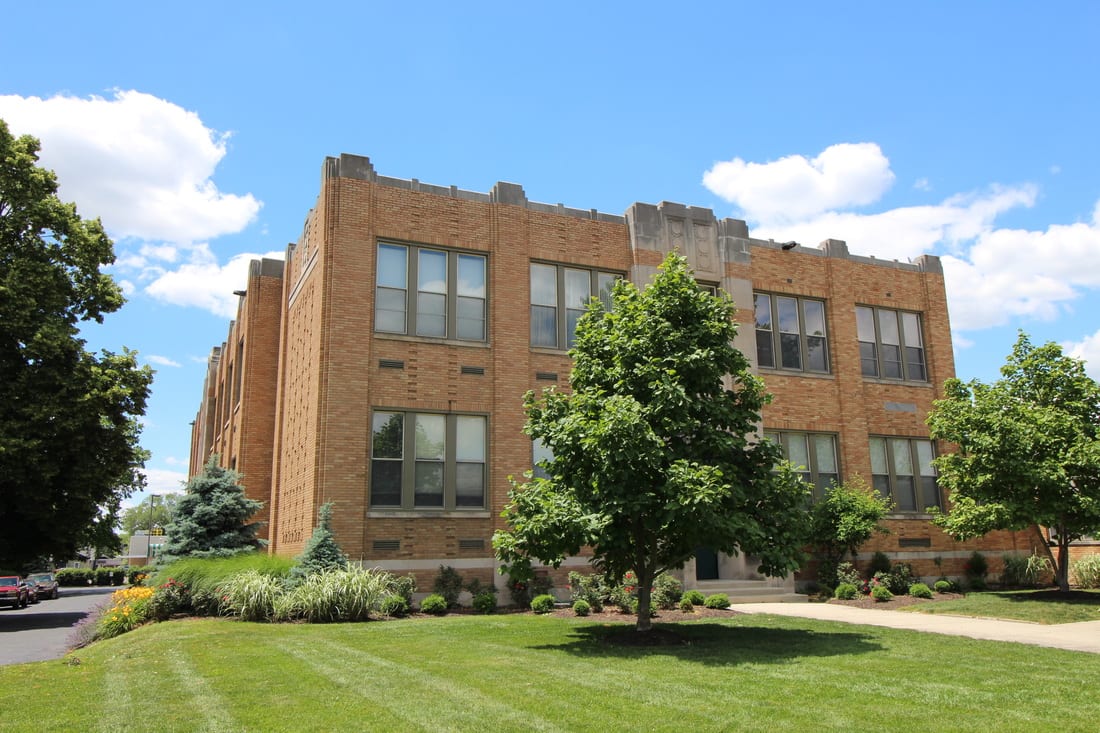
x=13 y=592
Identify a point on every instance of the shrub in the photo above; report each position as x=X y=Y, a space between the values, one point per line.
x=448 y=583
x=137 y=574
x=881 y=593
x=485 y=602
x=880 y=563
x=168 y=599
x=252 y=596
x=900 y=578
x=944 y=586
x=1024 y=572
x=581 y=607
x=321 y=551
x=405 y=586
x=847 y=573
x=978 y=584
x=395 y=606
x=543 y=603
x=202 y=577
x=717 y=600
x=976 y=568
x=686 y=605
x=434 y=604
x=1086 y=571
x=130 y=609
x=920 y=590
x=846 y=591
x=73 y=576
x=845 y=518
x=667 y=592
x=625 y=594
x=695 y=597
x=588 y=587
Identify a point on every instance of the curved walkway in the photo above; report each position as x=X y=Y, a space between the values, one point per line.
x=1081 y=637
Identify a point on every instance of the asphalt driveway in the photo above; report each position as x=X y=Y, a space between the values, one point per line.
x=42 y=631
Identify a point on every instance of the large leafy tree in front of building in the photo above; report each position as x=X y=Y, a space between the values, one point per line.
x=653 y=449
x=1028 y=449
x=211 y=519
x=69 y=428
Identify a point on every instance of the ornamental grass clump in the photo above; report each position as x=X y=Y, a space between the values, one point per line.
x=252 y=596
x=1086 y=571
x=350 y=594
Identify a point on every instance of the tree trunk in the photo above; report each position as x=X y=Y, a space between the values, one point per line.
x=1063 y=560
x=645 y=599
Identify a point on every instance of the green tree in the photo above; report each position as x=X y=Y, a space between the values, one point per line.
x=321 y=552
x=653 y=450
x=846 y=517
x=69 y=428
x=1028 y=450
x=211 y=518
x=153 y=511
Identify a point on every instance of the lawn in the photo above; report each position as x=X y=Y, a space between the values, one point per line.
x=1041 y=607
x=523 y=672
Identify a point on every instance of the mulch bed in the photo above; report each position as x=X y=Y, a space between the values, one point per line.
x=896 y=602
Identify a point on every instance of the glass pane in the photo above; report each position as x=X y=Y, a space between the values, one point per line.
x=788 y=314
x=385 y=483
x=428 y=488
x=431 y=314
x=865 y=324
x=392 y=261
x=868 y=359
x=903 y=460
x=471 y=319
x=387 y=431
x=815 y=317
x=431 y=274
x=910 y=324
x=765 y=350
x=430 y=436
x=389 y=310
x=578 y=288
x=544 y=285
x=881 y=484
x=605 y=282
x=471 y=276
x=470 y=484
x=544 y=330
x=888 y=327
x=904 y=495
x=763 y=305
x=790 y=347
x=470 y=441
x=572 y=316
x=825 y=453
x=825 y=481
x=925 y=454
x=797 y=452
x=914 y=364
x=540 y=452
x=891 y=361
x=878 y=456
x=930 y=493
x=817 y=356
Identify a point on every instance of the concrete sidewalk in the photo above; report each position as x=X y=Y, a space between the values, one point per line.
x=1080 y=637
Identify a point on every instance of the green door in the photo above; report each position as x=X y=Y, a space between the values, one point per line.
x=706 y=564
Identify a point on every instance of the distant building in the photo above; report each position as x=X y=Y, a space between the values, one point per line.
x=383 y=367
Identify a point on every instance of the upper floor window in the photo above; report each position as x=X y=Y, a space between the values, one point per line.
x=559 y=297
x=901 y=468
x=813 y=456
x=430 y=292
x=890 y=344
x=790 y=333
x=426 y=460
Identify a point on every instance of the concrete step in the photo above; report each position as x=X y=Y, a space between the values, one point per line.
x=751 y=591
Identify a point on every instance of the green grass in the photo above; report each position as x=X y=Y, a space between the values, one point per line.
x=1020 y=605
x=528 y=673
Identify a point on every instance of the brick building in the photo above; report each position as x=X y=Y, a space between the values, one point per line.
x=383 y=367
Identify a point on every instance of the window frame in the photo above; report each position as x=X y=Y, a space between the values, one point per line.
x=451 y=464
x=813 y=474
x=774 y=334
x=905 y=364
x=888 y=484
x=416 y=317
x=564 y=328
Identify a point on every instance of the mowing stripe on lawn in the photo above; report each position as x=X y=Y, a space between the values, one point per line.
x=209 y=709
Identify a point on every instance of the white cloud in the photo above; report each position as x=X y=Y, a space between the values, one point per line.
x=157 y=481
x=922 y=184
x=1087 y=349
x=143 y=165
x=203 y=283
x=162 y=360
x=795 y=187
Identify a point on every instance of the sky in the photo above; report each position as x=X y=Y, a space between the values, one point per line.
x=197 y=131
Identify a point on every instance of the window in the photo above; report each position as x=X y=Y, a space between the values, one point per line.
x=901 y=468
x=813 y=456
x=790 y=333
x=890 y=344
x=427 y=460
x=540 y=452
x=559 y=297
x=430 y=292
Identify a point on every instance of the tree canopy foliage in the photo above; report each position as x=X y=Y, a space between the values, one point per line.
x=1028 y=449
x=846 y=517
x=653 y=449
x=211 y=518
x=153 y=511
x=69 y=427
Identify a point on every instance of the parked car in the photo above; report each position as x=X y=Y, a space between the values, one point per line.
x=46 y=583
x=32 y=590
x=13 y=591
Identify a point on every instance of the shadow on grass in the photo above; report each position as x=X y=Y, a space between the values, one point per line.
x=1070 y=597
x=714 y=643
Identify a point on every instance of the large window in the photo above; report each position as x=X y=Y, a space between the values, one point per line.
x=813 y=456
x=890 y=344
x=790 y=333
x=430 y=292
x=559 y=297
x=427 y=460
x=901 y=468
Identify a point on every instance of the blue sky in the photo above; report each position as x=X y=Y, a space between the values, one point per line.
x=197 y=132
